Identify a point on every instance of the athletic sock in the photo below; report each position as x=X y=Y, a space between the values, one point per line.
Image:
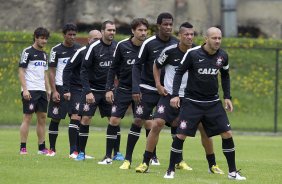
x=132 y=138
x=175 y=153
x=83 y=136
x=111 y=139
x=41 y=146
x=211 y=160
x=228 y=149
x=73 y=133
x=147 y=157
x=117 y=144
x=53 y=134
x=23 y=145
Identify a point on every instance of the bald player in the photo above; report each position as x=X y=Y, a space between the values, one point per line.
x=201 y=102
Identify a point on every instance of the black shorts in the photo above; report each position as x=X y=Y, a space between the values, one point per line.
x=58 y=110
x=74 y=102
x=86 y=109
x=148 y=102
x=122 y=100
x=37 y=103
x=211 y=114
x=165 y=111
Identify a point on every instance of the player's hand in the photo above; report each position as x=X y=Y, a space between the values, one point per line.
x=67 y=96
x=110 y=97
x=26 y=95
x=56 y=96
x=137 y=98
x=90 y=98
x=228 y=105
x=161 y=90
x=175 y=102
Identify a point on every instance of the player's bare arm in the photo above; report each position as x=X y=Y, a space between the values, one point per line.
x=26 y=94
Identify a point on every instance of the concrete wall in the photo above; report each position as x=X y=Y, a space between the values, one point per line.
x=26 y=15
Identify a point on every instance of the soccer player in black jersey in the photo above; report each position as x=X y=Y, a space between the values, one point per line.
x=121 y=97
x=93 y=74
x=72 y=91
x=169 y=59
x=58 y=107
x=201 y=101
x=34 y=83
x=144 y=91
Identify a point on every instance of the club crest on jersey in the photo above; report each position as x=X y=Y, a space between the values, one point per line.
x=55 y=110
x=183 y=124
x=139 y=110
x=161 y=109
x=31 y=106
x=219 y=61
x=114 y=108
x=77 y=106
x=86 y=107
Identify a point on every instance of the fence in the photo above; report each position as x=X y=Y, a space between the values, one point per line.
x=255 y=86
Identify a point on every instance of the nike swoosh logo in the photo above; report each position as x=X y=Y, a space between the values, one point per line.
x=228 y=125
x=200 y=60
x=128 y=52
x=176 y=59
x=102 y=55
x=155 y=51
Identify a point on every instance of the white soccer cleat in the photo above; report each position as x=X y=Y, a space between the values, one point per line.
x=88 y=157
x=235 y=175
x=155 y=161
x=169 y=174
x=106 y=161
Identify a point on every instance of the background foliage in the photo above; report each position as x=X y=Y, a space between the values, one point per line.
x=252 y=63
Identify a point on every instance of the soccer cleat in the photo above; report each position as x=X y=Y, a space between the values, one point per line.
x=51 y=153
x=125 y=165
x=118 y=156
x=73 y=155
x=183 y=165
x=23 y=151
x=106 y=161
x=155 y=161
x=88 y=157
x=142 y=168
x=215 y=170
x=169 y=174
x=236 y=175
x=80 y=157
x=43 y=152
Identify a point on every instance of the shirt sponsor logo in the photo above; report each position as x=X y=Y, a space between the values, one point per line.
x=40 y=63
x=208 y=71
x=105 y=63
x=130 y=61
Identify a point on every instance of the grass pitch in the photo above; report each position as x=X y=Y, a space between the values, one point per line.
x=259 y=157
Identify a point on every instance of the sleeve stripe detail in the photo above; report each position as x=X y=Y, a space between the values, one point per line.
x=226 y=67
x=76 y=53
x=144 y=43
x=184 y=57
x=90 y=49
x=118 y=45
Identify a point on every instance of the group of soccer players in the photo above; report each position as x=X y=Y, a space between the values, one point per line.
x=166 y=81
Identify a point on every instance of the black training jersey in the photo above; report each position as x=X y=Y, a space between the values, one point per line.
x=59 y=57
x=170 y=59
x=71 y=74
x=203 y=72
x=124 y=57
x=35 y=63
x=142 y=71
x=95 y=66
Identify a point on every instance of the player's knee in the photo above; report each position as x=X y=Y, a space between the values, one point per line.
x=138 y=122
x=85 y=120
x=227 y=134
x=114 y=121
x=75 y=117
x=157 y=125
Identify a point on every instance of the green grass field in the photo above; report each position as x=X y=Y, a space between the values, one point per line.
x=259 y=157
